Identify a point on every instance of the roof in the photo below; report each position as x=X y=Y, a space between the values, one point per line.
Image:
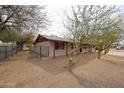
x=54 y=38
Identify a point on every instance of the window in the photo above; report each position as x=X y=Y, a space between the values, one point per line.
x=59 y=45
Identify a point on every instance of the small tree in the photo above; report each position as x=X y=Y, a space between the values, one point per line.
x=103 y=42
x=29 y=38
x=95 y=25
x=10 y=35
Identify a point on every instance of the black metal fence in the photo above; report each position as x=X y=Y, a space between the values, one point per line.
x=42 y=51
x=7 y=51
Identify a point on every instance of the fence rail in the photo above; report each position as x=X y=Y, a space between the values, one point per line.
x=7 y=51
x=42 y=51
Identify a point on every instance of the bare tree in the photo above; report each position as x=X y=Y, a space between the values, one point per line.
x=20 y=17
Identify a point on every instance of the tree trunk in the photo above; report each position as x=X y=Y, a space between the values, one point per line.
x=89 y=49
x=106 y=51
x=99 y=52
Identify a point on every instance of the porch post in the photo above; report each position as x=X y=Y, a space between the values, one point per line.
x=66 y=48
x=40 y=51
x=54 y=50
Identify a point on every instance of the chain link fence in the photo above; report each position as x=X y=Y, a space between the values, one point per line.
x=7 y=51
x=42 y=51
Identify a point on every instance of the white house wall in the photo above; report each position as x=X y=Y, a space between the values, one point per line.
x=45 y=43
x=58 y=52
x=51 y=52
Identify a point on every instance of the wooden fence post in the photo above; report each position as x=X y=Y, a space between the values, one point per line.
x=48 y=51
x=5 y=51
x=40 y=51
x=16 y=49
x=0 y=51
x=12 y=50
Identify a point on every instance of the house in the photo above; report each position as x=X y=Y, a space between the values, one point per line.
x=53 y=46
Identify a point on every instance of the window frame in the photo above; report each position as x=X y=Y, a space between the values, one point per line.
x=59 y=45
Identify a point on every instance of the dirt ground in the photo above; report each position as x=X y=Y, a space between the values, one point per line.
x=28 y=70
x=115 y=52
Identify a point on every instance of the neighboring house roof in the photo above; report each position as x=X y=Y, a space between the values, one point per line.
x=53 y=38
x=6 y=44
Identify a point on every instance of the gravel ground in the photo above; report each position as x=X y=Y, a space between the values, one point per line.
x=27 y=70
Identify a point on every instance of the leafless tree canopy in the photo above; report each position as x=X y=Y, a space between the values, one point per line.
x=21 y=17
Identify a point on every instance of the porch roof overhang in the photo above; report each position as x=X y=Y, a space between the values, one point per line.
x=42 y=38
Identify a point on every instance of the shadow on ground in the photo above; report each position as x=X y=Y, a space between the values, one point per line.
x=53 y=66
x=59 y=64
x=83 y=81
